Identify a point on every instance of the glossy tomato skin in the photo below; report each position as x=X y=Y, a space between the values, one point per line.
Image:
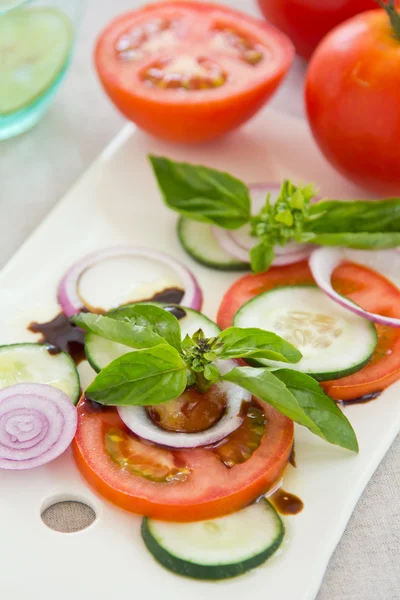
x=365 y=287
x=201 y=115
x=353 y=101
x=306 y=22
x=211 y=490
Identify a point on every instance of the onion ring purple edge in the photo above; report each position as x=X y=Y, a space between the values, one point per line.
x=67 y=291
x=63 y=405
x=322 y=264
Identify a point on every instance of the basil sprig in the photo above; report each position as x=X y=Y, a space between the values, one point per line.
x=166 y=367
x=205 y=194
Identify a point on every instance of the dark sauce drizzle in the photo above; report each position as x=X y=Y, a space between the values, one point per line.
x=362 y=399
x=62 y=335
x=170 y=295
x=292 y=457
x=177 y=311
x=286 y=503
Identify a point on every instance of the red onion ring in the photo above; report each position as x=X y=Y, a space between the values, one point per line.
x=71 y=303
x=37 y=423
x=224 y=239
x=239 y=246
x=325 y=260
x=138 y=421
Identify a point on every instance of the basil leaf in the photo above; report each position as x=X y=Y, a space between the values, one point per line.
x=249 y=342
x=261 y=257
x=159 y=321
x=136 y=326
x=329 y=421
x=336 y=216
x=201 y=193
x=123 y=332
x=360 y=240
x=300 y=398
x=264 y=385
x=150 y=376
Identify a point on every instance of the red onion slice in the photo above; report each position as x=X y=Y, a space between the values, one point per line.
x=294 y=252
x=71 y=301
x=138 y=421
x=325 y=260
x=239 y=242
x=229 y=245
x=37 y=423
x=258 y=194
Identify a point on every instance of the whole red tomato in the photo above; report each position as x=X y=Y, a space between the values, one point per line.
x=307 y=21
x=353 y=99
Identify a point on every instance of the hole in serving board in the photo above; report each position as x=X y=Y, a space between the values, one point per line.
x=67 y=515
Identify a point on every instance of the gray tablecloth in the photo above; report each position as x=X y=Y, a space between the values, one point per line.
x=37 y=168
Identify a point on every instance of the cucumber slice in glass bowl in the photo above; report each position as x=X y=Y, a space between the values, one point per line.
x=334 y=341
x=218 y=548
x=100 y=352
x=34 y=45
x=39 y=363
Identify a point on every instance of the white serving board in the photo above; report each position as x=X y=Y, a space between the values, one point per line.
x=117 y=202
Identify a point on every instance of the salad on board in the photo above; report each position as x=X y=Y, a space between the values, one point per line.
x=190 y=422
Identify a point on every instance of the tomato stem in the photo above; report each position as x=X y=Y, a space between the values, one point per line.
x=393 y=15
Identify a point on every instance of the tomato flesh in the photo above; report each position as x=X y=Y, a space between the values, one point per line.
x=191 y=412
x=189 y=71
x=241 y=444
x=362 y=285
x=209 y=490
x=148 y=461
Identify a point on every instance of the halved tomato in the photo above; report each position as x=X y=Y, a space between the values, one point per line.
x=189 y=72
x=367 y=288
x=184 y=485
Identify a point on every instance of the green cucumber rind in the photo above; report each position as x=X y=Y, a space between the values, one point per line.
x=321 y=376
x=88 y=352
x=77 y=385
x=208 y=572
x=231 y=266
x=326 y=376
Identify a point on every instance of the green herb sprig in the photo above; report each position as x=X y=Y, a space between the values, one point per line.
x=216 y=197
x=161 y=367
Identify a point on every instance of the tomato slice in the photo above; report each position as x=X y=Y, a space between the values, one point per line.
x=367 y=288
x=188 y=71
x=200 y=485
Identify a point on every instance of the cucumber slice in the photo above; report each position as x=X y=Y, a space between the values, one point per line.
x=198 y=241
x=334 y=342
x=101 y=352
x=219 y=548
x=34 y=47
x=39 y=363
